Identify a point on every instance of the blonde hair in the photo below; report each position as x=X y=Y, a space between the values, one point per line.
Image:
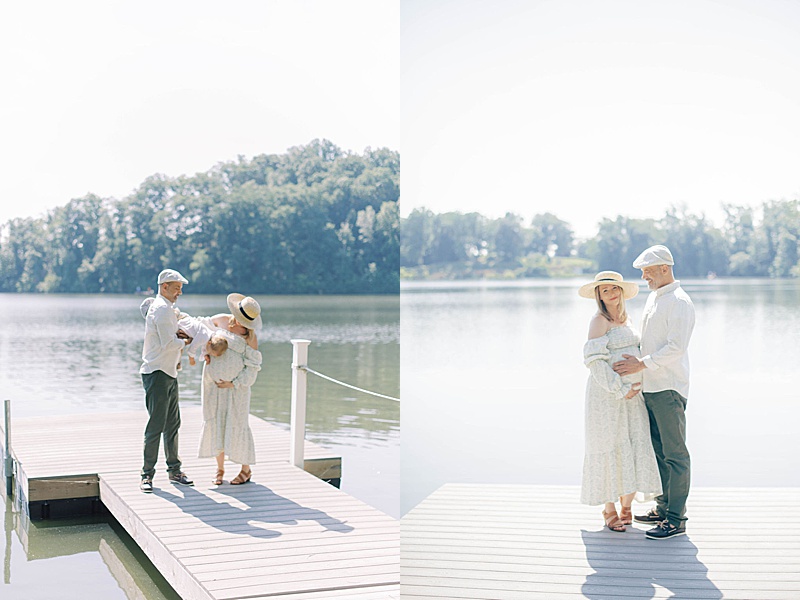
x=247 y=333
x=218 y=344
x=603 y=310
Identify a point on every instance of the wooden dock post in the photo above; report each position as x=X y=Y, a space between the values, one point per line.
x=298 y=416
x=8 y=462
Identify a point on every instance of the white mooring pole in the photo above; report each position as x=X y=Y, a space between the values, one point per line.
x=8 y=461
x=298 y=418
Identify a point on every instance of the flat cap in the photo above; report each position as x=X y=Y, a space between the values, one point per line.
x=653 y=256
x=171 y=275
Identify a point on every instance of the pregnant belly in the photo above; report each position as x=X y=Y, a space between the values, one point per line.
x=617 y=355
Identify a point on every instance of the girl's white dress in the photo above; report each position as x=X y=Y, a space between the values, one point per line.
x=226 y=411
x=619 y=455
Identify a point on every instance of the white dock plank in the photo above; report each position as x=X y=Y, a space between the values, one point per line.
x=107 y=442
x=285 y=534
x=233 y=522
x=504 y=542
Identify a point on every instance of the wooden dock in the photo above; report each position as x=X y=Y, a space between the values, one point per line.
x=285 y=534
x=514 y=542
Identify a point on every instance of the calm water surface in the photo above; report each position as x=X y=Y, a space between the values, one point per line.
x=493 y=383
x=81 y=353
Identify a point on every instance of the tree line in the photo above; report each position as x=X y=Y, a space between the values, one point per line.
x=313 y=220
x=759 y=241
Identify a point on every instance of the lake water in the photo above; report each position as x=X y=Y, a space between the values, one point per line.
x=81 y=353
x=493 y=383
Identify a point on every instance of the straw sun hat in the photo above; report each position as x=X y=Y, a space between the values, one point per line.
x=629 y=288
x=245 y=310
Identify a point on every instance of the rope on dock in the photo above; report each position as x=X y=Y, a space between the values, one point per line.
x=308 y=369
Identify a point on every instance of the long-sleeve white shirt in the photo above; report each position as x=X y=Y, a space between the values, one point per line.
x=667 y=325
x=162 y=346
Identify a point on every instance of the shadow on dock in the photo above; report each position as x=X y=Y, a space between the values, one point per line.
x=271 y=508
x=638 y=565
x=198 y=536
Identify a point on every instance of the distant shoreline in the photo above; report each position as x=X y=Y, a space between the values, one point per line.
x=533 y=282
x=203 y=293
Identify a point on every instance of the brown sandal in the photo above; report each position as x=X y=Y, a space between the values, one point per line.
x=218 y=477
x=612 y=521
x=626 y=516
x=242 y=477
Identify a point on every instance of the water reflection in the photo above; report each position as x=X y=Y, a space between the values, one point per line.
x=8 y=527
x=85 y=357
x=56 y=559
x=493 y=383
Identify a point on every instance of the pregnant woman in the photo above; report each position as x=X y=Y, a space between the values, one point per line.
x=227 y=377
x=619 y=459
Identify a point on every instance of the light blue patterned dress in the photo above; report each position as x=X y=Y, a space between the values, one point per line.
x=619 y=456
x=226 y=411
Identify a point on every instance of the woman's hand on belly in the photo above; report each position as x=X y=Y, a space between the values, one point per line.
x=635 y=389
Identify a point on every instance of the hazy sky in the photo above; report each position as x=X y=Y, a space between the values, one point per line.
x=589 y=109
x=98 y=95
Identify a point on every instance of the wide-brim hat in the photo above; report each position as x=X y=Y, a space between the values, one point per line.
x=629 y=288
x=245 y=310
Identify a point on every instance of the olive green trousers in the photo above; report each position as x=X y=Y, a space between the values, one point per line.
x=668 y=432
x=161 y=399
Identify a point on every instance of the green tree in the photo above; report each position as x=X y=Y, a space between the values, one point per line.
x=779 y=237
x=417 y=236
x=698 y=248
x=620 y=241
x=509 y=240
x=316 y=219
x=551 y=236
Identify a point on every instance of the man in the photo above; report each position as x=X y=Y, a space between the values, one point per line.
x=163 y=342
x=667 y=325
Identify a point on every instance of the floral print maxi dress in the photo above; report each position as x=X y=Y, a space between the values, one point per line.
x=226 y=411
x=619 y=456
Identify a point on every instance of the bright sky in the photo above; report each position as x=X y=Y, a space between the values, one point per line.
x=98 y=95
x=592 y=109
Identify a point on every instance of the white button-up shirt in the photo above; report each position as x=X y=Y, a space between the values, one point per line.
x=162 y=346
x=667 y=325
